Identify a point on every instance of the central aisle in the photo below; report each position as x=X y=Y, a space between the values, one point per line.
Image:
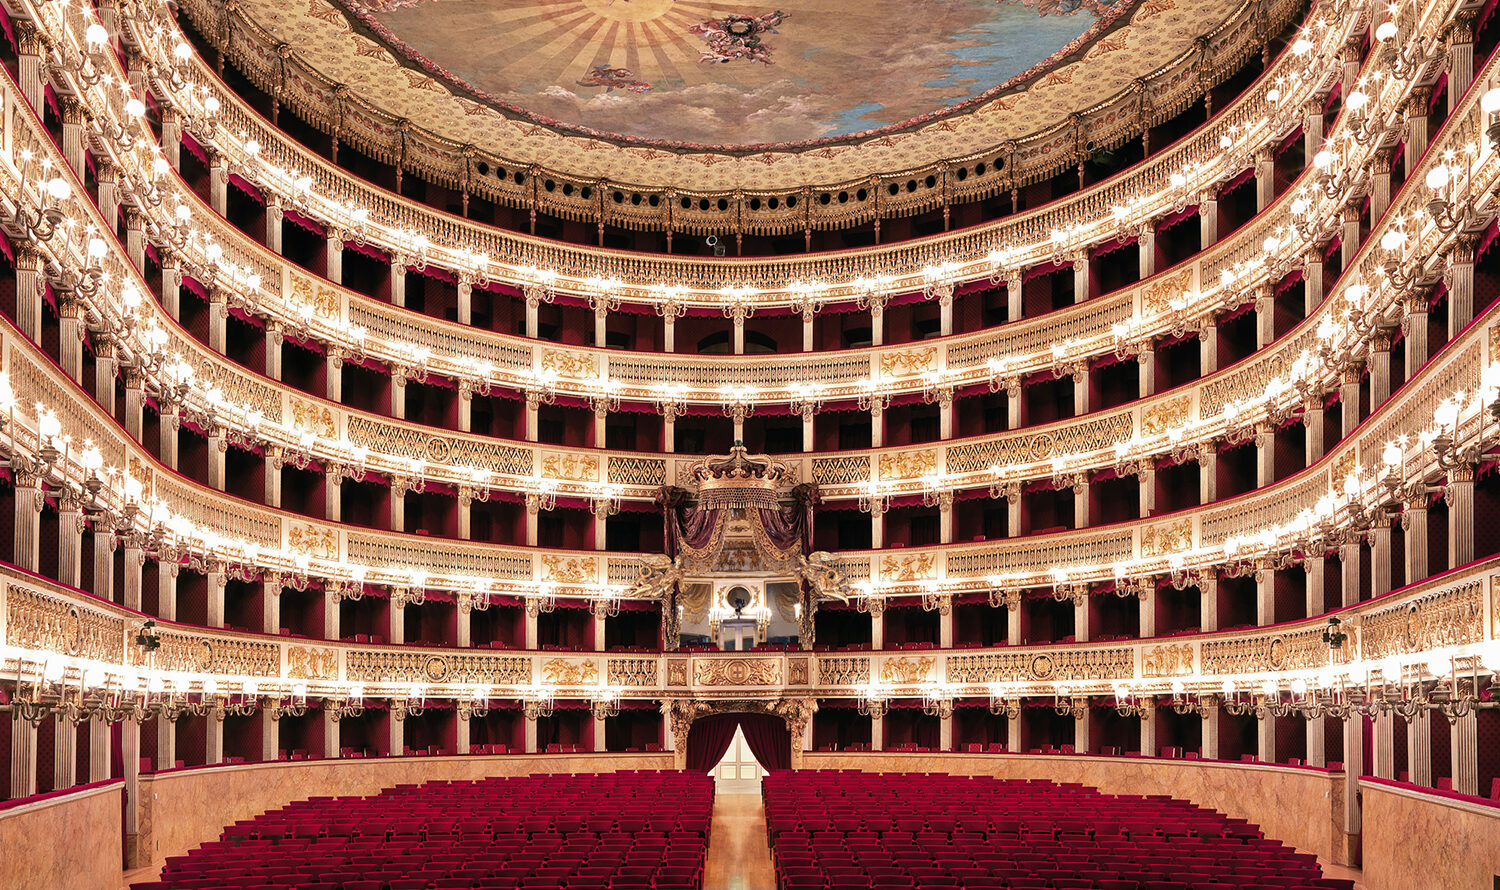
x=738 y=856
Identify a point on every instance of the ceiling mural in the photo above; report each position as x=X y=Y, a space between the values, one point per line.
x=698 y=73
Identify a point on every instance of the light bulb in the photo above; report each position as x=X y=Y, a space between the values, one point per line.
x=182 y=51
x=1392 y=240
x=1490 y=101
x=1323 y=159
x=1437 y=178
x=96 y=35
x=1386 y=31
x=58 y=189
x=211 y=105
x=97 y=248
x=135 y=107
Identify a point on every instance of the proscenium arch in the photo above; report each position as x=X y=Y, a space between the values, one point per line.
x=797 y=712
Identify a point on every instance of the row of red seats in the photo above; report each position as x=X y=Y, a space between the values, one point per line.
x=848 y=830
x=488 y=834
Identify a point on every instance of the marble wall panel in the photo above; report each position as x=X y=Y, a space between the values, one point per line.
x=66 y=841
x=1417 y=841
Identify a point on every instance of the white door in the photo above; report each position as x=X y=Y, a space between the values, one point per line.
x=738 y=772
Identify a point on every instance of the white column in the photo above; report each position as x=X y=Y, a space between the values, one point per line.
x=273 y=350
x=1208 y=475
x=333 y=256
x=218 y=183
x=877 y=732
x=64 y=752
x=1384 y=766
x=30 y=496
x=1349 y=561
x=1208 y=349
x=1265 y=178
x=1265 y=455
x=22 y=757
x=1081 y=281
x=213 y=741
x=398 y=295
x=466 y=300
x=1208 y=220
x=1460 y=498
x=1013 y=300
x=1419 y=748
x=1146 y=363
x=29 y=288
x=1265 y=596
x=1317 y=744
x=945 y=733
x=1208 y=609
x=214 y=581
x=1211 y=731
x=273 y=223
x=1145 y=245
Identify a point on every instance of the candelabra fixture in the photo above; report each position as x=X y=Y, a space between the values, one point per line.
x=1065 y=704
x=1451 y=182
x=873 y=702
x=43 y=223
x=736 y=403
x=1003 y=703
x=543 y=601
x=541 y=495
x=1182 y=703
x=410 y=701
x=537 y=702
x=605 y=500
x=606 y=604
x=936 y=600
x=1404 y=53
x=413 y=593
x=476 y=705
x=605 y=703
x=872 y=397
x=1130 y=704
x=351 y=705
x=937 y=701
x=476 y=600
x=673 y=402
x=292 y=705
x=875 y=499
x=805 y=398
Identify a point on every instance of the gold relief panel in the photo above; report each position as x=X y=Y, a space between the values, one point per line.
x=1167 y=661
x=1158 y=297
x=909 y=363
x=1172 y=537
x=579 y=365
x=567 y=672
x=1090 y=664
x=36 y=621
x=326 y=304
x=737 y=672
x=677 y=672
x=638 y=672
x=312 y=663
x=1167 y=415
x=395 y=667
x=796 y=672
x=912 y=567
x=569 y=570
x=314 y=418
x=570 y=468
x=844 y=670
x=908 y=465
x=1451 y=617
x=907 y=669
x=311 y=541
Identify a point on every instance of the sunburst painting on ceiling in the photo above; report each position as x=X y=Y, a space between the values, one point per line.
x=705 y=74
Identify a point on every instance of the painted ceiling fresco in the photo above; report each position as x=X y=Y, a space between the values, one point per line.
x=699 y=73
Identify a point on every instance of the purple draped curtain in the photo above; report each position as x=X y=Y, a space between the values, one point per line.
x=708 y=739
x=782 y=527
x=769 y=740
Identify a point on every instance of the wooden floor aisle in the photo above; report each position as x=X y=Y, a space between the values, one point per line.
x=738 y=855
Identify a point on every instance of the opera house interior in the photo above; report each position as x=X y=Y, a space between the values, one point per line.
x=1065 y=462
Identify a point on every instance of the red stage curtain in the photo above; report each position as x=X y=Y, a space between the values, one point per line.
x=769 y=740
x=708 y=739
